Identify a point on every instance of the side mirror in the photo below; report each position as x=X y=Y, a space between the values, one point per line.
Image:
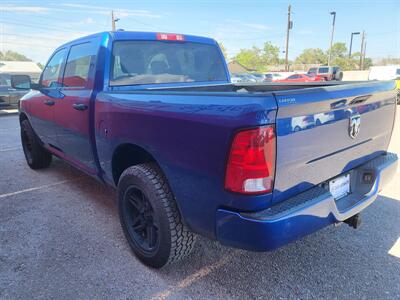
x=21 y=82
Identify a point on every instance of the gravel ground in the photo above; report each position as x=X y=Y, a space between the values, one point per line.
x=60 y=238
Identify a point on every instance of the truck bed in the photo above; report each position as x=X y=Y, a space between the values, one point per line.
x=254 y=87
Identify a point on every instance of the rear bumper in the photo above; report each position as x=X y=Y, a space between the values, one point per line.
x=305 y=213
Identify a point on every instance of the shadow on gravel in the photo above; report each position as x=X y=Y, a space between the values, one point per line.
x=335 y=262
x=77 y=247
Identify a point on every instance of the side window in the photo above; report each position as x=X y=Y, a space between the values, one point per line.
x=5 y=80
x=78 y=65
x=52 y=70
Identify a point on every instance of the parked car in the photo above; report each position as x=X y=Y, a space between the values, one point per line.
x=302 y=122
x=386 y=73
x=324 y=118
x=273 y=76
x=9 y=97
x=235 y=78
x=300 y=78
x=243 y=78
x=155 y=116
x=259 y=77
x=327 y=73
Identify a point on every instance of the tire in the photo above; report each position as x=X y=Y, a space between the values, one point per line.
x=297 y=128
x=339 y=76
x=36 y=155
x=150 y=217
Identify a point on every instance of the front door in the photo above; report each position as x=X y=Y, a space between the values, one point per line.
x=43 y=102
x=72 y=112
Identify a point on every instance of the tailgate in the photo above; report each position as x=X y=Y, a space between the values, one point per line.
x=325 y=131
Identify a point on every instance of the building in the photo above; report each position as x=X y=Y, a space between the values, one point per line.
x=236 y=67
x=21 y=68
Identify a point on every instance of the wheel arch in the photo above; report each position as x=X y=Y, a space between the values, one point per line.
x=127 y=155
x=22 y=116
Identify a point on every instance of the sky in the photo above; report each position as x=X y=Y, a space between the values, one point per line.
x=36 y=28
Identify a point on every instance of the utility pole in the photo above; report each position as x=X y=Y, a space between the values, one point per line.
x=333 y=30
x=289 y=26
x=365 y=49
x=113 y=21
x=351 y=42
x=362 y=50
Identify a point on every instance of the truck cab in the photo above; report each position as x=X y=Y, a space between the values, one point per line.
x=327 y=72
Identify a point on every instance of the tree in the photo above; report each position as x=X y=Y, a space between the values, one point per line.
x=368 y=63
x=312 y=56
x=250 y=58
x=223 y=49
x=339 y=50
x=339 y=57
x=389 y=61
x=270 y=55
x=259 y=59
x=40 y=65
x=12 y=56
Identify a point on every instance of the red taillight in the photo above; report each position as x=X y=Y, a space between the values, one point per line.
x=170 y=37
x=251 y=163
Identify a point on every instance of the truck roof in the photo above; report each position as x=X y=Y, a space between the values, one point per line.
x=139 y=35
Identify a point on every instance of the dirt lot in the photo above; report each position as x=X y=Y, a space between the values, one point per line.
x=60 y=238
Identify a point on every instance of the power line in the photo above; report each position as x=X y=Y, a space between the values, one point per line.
x=36 y=26
x=44 y=17
x=30 y=44
x=30 y=36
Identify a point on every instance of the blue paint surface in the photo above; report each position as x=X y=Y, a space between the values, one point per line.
x=189 y=133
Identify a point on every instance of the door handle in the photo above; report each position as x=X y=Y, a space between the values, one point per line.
x=49 y=102
x=79 y=106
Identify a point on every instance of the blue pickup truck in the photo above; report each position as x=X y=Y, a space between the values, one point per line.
x=254 y=166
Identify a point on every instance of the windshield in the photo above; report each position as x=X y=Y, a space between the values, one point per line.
x=312 y=70
x=152 y=62
x=5 y=80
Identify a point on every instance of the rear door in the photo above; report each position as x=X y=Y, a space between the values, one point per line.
x=325 y=131
x=72 y=112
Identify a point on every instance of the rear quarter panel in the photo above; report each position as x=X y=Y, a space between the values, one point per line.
x=189 y=135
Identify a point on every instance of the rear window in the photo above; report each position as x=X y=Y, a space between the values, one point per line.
x=398 y=72
x=152 y=62
x=78 y=65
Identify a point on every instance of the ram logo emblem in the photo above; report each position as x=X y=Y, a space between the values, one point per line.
x=354 y=126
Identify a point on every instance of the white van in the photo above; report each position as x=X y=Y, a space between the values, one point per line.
x=384 y=73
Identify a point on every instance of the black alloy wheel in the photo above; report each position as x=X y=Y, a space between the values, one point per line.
x=140 y=220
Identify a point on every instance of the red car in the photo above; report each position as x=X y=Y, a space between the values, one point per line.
x=301 y=78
